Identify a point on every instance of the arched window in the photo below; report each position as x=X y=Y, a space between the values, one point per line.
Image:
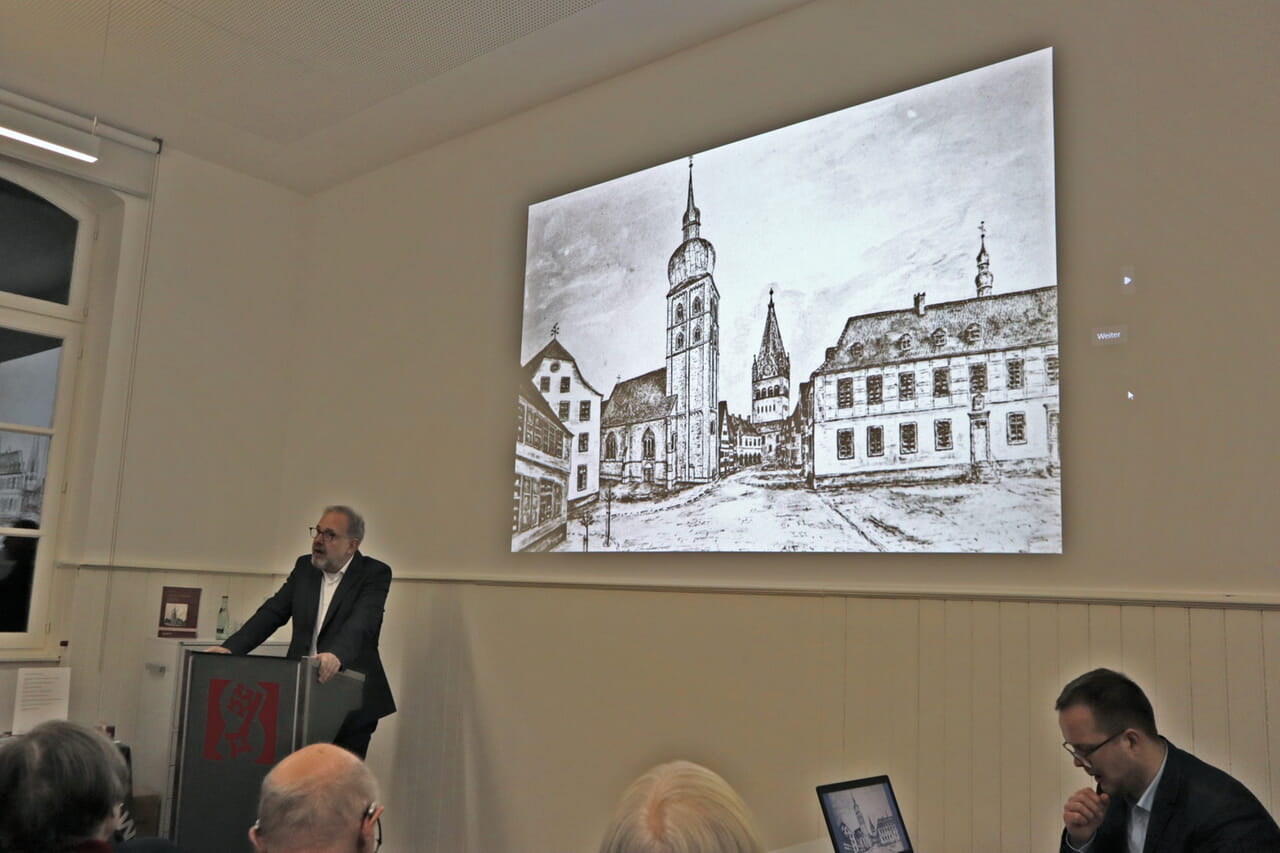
x=939 y=337
x=697 y=334
x=857 y=349
x=679 y=340
x=649 y=444
x=697 y=304
x=46 y=235
x=904 y=343
x=611 y=446
x=972 y=334
x=679 y=312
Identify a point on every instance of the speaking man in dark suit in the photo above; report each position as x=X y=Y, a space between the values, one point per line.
x=1151 y=797
x=335 y=597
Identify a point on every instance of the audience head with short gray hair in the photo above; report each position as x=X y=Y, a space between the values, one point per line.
x=681 y=807
x=61 y=785
x=320 y=799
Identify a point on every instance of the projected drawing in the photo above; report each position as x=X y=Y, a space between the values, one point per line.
x=837 y=336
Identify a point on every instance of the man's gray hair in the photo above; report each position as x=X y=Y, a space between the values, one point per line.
x=681 y=807
x=355 y=521
x=316 y=810
x=59 y=784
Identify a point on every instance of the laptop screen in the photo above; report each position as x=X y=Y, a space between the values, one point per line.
x=863 y=817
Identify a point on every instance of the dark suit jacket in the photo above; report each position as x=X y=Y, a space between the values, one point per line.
x=350 y=630
x=1197 y=809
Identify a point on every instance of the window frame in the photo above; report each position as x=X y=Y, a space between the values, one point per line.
x=841 y=435
x=67 y=323
x=875 y=441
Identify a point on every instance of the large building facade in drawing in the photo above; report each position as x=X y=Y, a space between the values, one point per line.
x=967 y=388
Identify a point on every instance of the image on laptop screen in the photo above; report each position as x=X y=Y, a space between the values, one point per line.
x=863 y=817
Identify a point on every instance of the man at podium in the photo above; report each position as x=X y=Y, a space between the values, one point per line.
x=335 y=597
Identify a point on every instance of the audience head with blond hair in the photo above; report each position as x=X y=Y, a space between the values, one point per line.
x=681 y=807
x=320 y=799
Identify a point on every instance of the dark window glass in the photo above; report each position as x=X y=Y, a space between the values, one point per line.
x=844 y=393
x=906 y=386
x=1017 y=428
x=544 y=384
x=584 y=410
x=907 y=437
x=584 y=442
x=875 y=390
x=977 y=378
x=942 y=435
x=1051 y=366
x=37 y=245
x=564 y=410
x=564 y=384
x=844 y=443
x=941 y=382
x=1015 y=373
x=875 y=441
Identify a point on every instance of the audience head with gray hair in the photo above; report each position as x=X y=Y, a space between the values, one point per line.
x=681 y=807
x=320 y=799
x=61 y=786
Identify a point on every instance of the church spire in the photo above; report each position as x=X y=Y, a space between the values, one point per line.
x=984 y=277
x=692 y=216
x=772 y=359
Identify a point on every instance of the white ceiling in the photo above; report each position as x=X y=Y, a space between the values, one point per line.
x=309 y=93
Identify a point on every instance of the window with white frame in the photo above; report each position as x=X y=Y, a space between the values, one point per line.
x=45 y=237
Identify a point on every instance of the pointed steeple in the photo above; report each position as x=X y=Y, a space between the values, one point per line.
x=772 y=359
x=692 y=216
x=694 y=257
x=984 y=277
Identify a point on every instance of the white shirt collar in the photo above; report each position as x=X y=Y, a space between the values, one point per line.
x=1149 y=796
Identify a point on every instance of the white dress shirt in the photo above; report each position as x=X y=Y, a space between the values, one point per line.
x=327 y=587
x=1140 y=814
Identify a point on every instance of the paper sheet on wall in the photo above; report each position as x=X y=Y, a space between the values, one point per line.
x=43 y=694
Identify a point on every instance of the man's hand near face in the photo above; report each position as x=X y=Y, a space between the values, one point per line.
x=1082 y=814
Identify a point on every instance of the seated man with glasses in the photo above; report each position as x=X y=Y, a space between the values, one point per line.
x=320 y=799
x=335 y=596
x=1150 y=795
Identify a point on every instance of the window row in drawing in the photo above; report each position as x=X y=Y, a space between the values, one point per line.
x=697 y=309
x=1015 y=378
x=584 y=410
x=544 y=384
x=696 y=337
x=535 y=501
x=539 y=432
x=908 y=436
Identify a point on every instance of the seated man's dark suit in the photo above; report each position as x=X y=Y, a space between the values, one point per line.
x=1197 y=809
x=350 y=632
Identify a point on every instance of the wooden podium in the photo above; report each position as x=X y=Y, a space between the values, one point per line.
x=240 y=715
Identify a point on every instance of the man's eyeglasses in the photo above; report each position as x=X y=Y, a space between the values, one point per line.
x=329 y=535
x=1082 y=753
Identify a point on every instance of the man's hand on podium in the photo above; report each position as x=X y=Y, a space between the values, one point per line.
x=329 y=665
x=218 y=650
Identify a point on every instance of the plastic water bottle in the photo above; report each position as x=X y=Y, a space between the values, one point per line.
x=224 y=619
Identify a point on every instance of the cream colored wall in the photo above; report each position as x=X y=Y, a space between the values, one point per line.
x=378 y=368
x=524 y=711
x=213 y=378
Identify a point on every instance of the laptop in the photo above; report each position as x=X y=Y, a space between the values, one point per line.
x=862 y=816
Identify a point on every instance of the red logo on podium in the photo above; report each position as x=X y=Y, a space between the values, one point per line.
x=244 y=704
